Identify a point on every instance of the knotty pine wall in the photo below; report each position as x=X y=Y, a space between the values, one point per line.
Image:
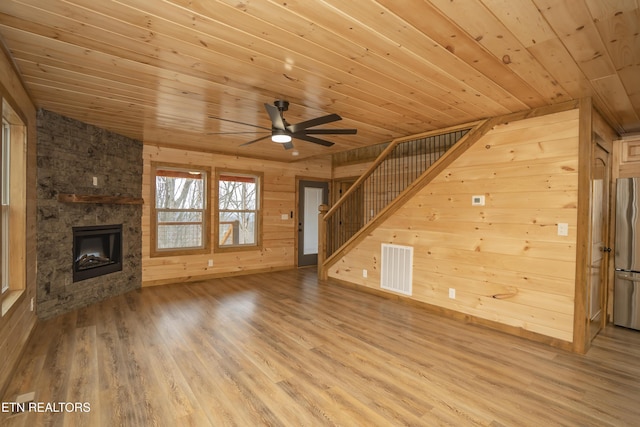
x=505 y=259
x=278 y=238
x=628 y=156
x=17 y=324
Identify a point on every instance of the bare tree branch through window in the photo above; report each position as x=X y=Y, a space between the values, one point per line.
x=238 y=210
x=180 y=208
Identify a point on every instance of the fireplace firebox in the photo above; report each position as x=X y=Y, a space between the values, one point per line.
x=97 y=250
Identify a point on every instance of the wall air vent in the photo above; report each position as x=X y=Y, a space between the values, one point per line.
x=397 y=268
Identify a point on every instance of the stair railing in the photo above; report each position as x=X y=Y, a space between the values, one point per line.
x=397 y=167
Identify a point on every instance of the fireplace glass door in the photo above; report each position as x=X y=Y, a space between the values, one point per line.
x=97 y=250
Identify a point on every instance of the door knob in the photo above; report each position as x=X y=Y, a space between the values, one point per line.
x=605 y=249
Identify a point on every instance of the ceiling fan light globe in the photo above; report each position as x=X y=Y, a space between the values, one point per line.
x=281 y=138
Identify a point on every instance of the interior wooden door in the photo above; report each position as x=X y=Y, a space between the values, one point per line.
x=596 y=295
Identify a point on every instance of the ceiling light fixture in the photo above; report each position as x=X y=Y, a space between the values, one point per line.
x=280 y=136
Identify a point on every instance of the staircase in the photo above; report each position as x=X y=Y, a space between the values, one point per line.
x=400 y=170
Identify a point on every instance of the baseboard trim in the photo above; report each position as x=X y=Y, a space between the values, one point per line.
x=199 y=278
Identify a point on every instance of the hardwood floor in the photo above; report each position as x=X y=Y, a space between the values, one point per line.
x=281 y=349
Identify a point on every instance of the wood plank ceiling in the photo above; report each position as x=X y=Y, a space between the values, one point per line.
x=159 y=71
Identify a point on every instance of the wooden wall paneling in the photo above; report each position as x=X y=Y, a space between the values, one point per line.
x=357 y=156
x=583 y=252
x=505 y=259
x=278 y=235
x=630 y=150
x=18 y=323
x=351 y=170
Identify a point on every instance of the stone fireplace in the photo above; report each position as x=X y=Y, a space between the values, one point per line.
x=89 y=179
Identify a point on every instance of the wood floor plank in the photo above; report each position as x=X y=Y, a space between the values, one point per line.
x=282 y=349
x=83 y=380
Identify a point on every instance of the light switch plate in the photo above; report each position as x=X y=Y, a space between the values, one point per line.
x=563 y=229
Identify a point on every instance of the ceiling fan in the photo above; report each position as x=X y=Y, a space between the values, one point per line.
x=282 y=132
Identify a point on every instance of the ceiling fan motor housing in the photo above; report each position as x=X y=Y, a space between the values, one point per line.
x=281 y=104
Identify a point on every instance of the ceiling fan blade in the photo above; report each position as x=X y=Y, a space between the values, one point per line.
x=234 y=133
x=330 y=131
x=313 y=139
x=255 y=140
x=288 y=145
x=238 y=123
x=274 y=115
x=314 y=122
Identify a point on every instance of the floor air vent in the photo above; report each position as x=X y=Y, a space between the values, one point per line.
x=397 y=266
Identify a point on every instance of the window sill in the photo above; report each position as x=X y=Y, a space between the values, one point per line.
x=178 y=252
x=239 y=248
x=10 y=299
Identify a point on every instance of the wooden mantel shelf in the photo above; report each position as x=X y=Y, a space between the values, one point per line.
x=90 y=198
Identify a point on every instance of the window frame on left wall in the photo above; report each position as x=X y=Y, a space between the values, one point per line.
x=13 y=183
x=205 y=246
x=5 y=197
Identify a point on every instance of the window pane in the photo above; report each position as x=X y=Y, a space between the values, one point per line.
x=181 y=216
x=5 y=168
x=181 y=205
x=6 y=164
x=237 y=195
x=179 y=192
x=312 y=200
x=237 y=228
x=179 y=236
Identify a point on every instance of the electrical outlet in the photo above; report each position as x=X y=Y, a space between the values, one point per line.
x=95 y=181
x=364 y=273
x=210 y=263
x=32 y=304
x=452 y=293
